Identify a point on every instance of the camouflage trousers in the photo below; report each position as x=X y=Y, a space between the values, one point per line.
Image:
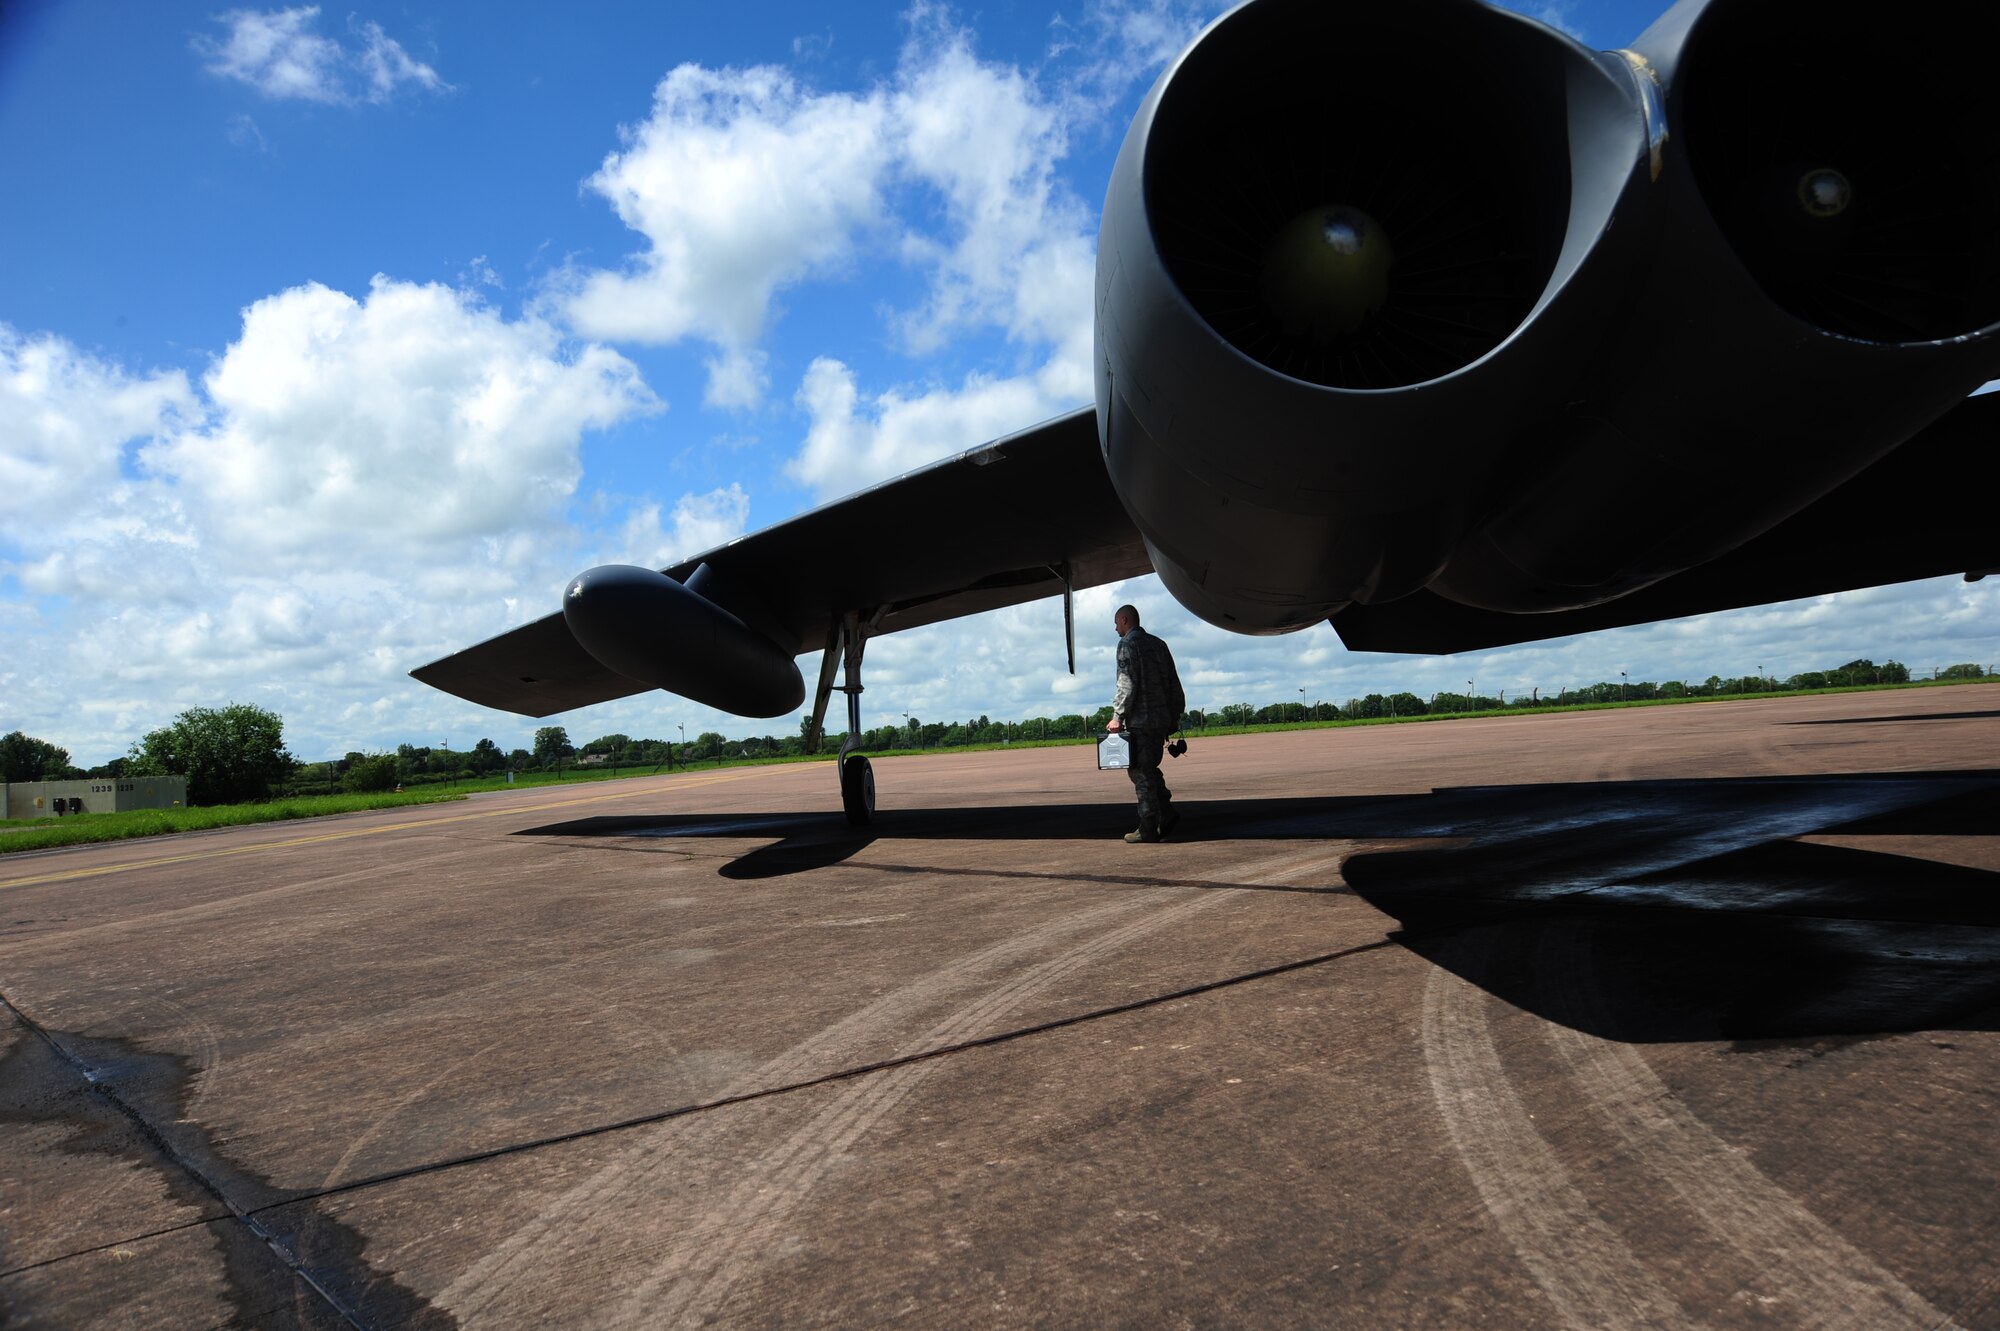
x=1148 y=747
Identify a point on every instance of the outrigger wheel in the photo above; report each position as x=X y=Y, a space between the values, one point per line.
x=857 y=778
x=857 y=789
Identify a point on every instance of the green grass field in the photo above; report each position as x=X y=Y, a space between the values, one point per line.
x=83 y=828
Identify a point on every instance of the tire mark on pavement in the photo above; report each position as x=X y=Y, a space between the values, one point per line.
x=696 y=1272
x=403 y=1102
x=583 y=1218
x=693 y=1283
x=731 y=1239
x=194 y=1033
x=1591 y=1277
x=1823 y=1280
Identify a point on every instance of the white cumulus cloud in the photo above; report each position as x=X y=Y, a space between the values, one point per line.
x=1010 y=249
x=280 y=53
x=741 y=181
x=408 y=418
x=699 y=522
x=736 y=379
x=852 y=443
x=745 y=182
x=1018 y=253
x=68 y=422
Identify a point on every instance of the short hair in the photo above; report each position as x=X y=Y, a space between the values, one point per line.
x=1130 y=612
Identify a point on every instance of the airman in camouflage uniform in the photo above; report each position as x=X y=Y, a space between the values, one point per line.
x=1147 y=708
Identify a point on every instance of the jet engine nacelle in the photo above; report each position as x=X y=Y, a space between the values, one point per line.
x=1825 y=283
x=1430 y=295
x=648 y=627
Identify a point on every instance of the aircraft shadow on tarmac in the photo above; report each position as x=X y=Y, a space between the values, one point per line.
x=1641 y=911
x=1877 y=720
x=1667 y=911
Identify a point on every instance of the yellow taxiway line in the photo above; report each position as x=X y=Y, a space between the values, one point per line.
x=377 y=830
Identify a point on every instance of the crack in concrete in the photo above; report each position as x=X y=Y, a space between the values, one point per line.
x=839 y=1075
x=112 y=1097
x=1104 y=879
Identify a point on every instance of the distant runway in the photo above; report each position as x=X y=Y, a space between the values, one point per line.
x=1674 y=1017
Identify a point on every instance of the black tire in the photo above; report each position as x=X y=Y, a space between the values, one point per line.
x=857 y=790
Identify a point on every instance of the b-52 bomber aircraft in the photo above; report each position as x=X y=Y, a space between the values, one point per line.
x=1424 y=319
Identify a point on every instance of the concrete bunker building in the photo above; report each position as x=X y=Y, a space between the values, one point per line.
x=98 y=794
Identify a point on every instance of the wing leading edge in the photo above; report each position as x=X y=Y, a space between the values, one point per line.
x=1012 y=521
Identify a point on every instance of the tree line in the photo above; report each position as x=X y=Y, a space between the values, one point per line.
x=237 y=753
x=1855 y=674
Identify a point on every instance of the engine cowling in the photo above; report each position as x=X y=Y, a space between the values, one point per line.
x=1280 y=466
x=1429 y=295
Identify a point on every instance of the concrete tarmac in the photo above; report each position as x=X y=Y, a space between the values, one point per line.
x=1669 y=1017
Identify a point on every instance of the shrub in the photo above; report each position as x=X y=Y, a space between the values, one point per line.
x=370 y=775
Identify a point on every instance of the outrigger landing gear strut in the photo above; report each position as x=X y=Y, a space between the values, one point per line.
x=844 y=644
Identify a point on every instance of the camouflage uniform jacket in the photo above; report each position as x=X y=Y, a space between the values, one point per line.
x=1149 y=695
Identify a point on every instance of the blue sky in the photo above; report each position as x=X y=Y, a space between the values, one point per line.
x=333 y=340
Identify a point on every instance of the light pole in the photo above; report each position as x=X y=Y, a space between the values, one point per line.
x=1302 y=703
x=1621 y=686
x=1469 y=692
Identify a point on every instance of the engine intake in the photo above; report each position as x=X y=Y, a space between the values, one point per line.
x=1290 y=127
x=1854 y=177
x=1823 y=287
x=1348 y=250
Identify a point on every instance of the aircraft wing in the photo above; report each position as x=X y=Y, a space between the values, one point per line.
x=1924 y=510
x=1008 y=522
